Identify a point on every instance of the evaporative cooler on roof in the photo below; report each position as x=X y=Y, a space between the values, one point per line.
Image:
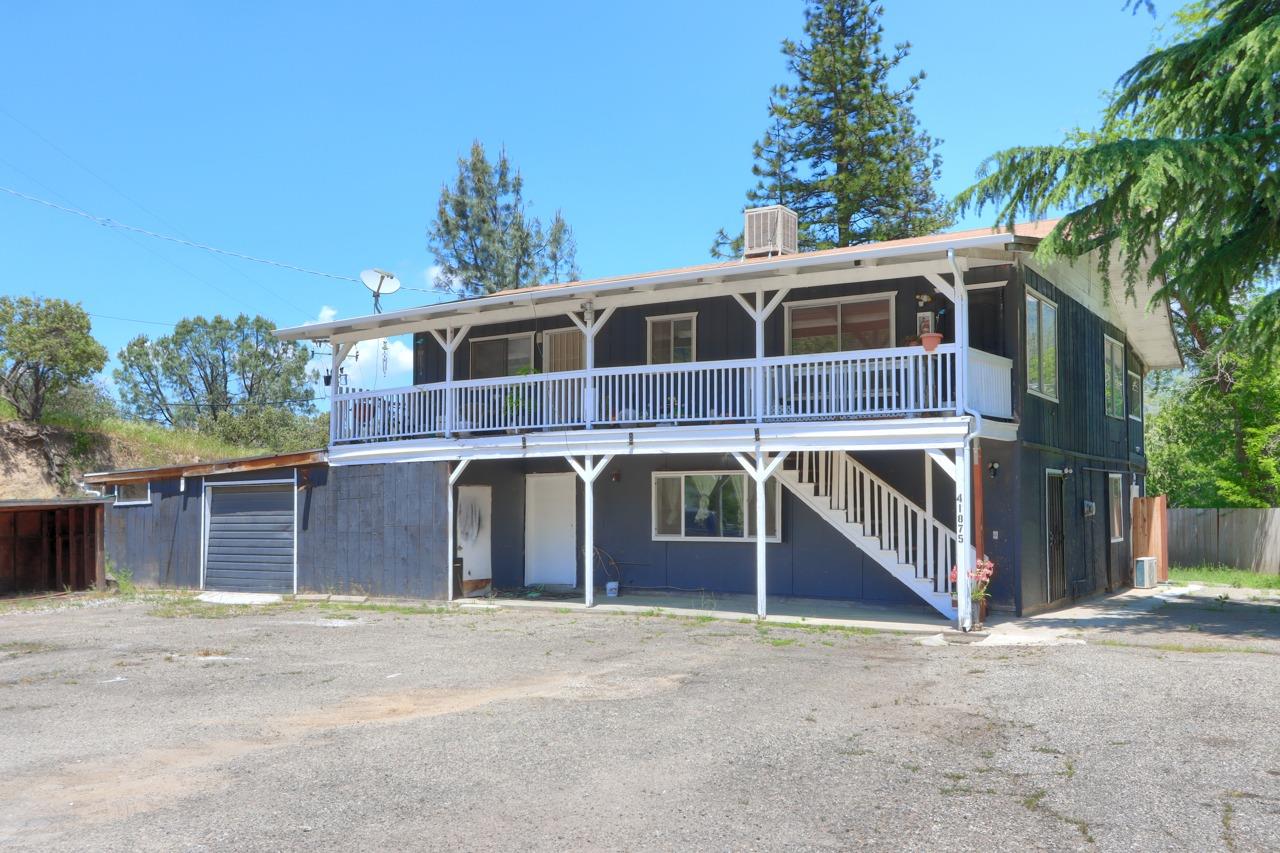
x=770 y=231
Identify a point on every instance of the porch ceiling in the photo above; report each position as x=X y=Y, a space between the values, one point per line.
x=864 y=435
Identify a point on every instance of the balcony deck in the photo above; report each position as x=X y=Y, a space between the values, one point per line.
x=904 y=382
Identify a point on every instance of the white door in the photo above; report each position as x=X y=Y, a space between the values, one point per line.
x=550 y=529
x=475 y=530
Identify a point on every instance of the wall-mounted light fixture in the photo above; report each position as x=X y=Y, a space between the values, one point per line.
x=994 y=470
x=616 y=476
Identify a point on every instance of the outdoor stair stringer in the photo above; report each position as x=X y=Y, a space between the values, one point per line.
x=877 y=519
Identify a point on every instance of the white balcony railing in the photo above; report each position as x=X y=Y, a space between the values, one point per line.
x=868 y=383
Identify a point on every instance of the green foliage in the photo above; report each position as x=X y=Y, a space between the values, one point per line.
x=1223 y=576
x=207 y=369
x=1182 y=176
x=484 y=238
x=45 y=348
x=1213 y=430
x=843 y=148
x=276 y=429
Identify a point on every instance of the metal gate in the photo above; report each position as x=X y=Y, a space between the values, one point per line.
x=1055 y=535
x=249 y=538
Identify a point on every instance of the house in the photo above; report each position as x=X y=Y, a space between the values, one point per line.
x=773 y=425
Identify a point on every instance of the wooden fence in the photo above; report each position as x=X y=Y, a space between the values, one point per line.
x=1241 y=538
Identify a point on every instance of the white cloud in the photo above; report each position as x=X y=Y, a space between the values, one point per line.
x=327 y=313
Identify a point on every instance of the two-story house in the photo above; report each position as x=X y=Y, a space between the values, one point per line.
x=848 y=424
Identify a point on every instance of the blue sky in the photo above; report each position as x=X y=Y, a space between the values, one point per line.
x=319 y=133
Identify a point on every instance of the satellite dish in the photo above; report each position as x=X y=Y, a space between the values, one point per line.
x=379 y=282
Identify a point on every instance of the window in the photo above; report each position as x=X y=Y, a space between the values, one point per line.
x=1042 y=346
x=133 y=494
x=674 y=339
x=1115 y=505
x=1113 y=377
x=839 y=326
x=508 y=355
x=711 y=505
x=562 y=350
x=1135 y=395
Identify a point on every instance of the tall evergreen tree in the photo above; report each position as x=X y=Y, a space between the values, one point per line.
x=1182 y=176
x=843 y=147
x=484 y=238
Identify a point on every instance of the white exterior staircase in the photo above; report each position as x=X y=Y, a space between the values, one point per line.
x=895 y=532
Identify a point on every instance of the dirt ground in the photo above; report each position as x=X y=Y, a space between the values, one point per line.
x=163 y=724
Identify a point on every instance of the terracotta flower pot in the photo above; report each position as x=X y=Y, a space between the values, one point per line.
x=930 y=341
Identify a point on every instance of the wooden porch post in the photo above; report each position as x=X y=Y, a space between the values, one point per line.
x=588 y=472
x=450 y=520
x=761 y=470
x=759 y=313
x=964 y=550
x=340 y=352
x=590 y=325
x=449 y=342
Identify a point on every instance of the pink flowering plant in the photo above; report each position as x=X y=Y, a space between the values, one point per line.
x=979 y=578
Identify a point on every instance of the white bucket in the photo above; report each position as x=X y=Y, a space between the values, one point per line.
x=611 y=589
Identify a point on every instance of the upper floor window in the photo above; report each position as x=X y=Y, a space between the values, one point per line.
x=505 y=355
x=562 y=350
x=1135 y=395
x=862 y=322
x=673 y=339
x=1113 y=384
x=1042 y=346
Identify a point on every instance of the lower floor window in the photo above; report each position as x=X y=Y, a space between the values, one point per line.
x=711 y=505
x=1115 y=506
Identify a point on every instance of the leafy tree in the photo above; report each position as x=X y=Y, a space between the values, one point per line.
x=484 y=238
x=208 y=368
x=843 y=148
x=1213 y=435
x=1183 y=173
x=45 y=347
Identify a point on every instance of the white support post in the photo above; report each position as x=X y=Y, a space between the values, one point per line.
x=964 y=553
x=962 y=335
x=588 y=472
x=340 y=353
x=454 y=475
x=450 y=342
x=761 y=470
x=590 y=325
x=759 y=312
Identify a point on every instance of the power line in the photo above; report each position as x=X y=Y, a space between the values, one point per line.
x=130 y=319
x=141 y=206
x=111 y=223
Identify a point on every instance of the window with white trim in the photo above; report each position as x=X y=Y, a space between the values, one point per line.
x=562 y=349
x=1113 y=379
x=1042 y=346
x=503 y=355
x=1115 y=506
x=1134 y=390
x=711 y=505
x=673 y=339
x=840 y=325
x=133 y=494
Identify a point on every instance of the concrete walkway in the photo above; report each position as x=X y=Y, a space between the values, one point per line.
x=782 y=609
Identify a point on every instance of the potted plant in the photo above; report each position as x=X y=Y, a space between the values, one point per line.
x=930 y=341
x=979 y=582
x=517 y=400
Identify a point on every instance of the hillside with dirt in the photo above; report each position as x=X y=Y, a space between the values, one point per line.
x=47 y=461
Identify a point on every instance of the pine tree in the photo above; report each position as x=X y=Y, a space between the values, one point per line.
x=484 y=239
x=1183 y=173
x=843 y=148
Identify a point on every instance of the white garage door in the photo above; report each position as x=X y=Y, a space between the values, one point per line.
x=249 y=542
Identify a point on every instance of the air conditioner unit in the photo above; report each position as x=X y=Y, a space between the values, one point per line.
x=1144 y=572
x=770 y=231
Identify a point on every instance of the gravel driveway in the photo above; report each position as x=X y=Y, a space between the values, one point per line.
x=164 y=724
